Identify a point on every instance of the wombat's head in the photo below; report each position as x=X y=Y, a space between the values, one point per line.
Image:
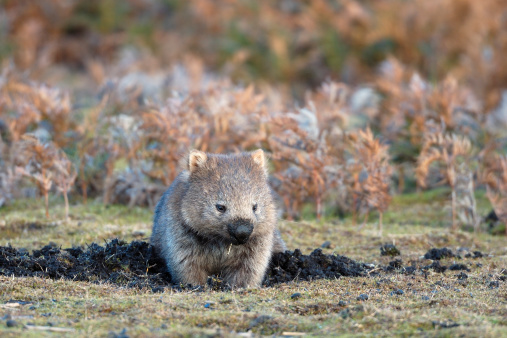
x=228 y=196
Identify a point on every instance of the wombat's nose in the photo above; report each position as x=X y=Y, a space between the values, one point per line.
x=240 y=231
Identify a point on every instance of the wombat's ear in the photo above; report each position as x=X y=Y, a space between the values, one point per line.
x=260 y=159
x=196 y=159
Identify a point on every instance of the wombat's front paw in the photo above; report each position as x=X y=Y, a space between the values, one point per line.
x=194 y=277
x=243 y=278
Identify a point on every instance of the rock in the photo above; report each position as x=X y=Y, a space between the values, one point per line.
x=295 y=295
x=362 y=297
x=11 y=323
x=326 y=245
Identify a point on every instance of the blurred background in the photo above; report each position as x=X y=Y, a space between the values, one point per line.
x=297 y=44
x=354 y=100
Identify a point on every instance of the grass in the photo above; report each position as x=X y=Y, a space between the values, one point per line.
x=433 y=304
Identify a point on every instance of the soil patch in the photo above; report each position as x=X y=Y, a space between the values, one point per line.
x=389 y=250
x=135 y=264
x=438 y=254
x=127 y=264
x=293 y=265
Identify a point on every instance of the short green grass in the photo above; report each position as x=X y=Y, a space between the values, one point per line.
x=414 y=223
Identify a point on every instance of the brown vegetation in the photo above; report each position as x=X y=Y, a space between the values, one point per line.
x=495 y=177
x=121 y=106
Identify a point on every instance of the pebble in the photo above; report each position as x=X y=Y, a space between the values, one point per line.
x=494 y=284
x=362 y=296
x=295 y=295
x=326 y=244
x=11 y=323
x=397 y=292
x=342 y=303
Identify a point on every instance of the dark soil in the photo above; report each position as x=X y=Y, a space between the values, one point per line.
x=293 y=265
x=459 y=267
x=475 y=254
x=127 y=264
x=389 y=250
x=135 y=264
x=435 y=266
x=438 y=254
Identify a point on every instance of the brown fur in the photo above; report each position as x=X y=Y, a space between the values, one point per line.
x=197 y=240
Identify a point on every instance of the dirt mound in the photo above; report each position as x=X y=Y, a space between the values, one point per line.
x=438 y=254
x=136 y=265
x=293 y=265
x=127 y=264
x=389 y=250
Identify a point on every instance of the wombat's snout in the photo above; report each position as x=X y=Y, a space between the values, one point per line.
x=240 y=231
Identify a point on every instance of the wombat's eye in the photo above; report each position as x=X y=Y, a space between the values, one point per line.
x=221 y=208
x=254 y=208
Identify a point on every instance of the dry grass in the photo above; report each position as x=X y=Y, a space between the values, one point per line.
x=428 y=304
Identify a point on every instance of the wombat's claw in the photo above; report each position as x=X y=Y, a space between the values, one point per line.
x=229 y=251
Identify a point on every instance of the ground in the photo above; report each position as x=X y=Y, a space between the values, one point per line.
x=389 y=299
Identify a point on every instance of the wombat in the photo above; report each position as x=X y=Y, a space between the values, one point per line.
x=218 y=217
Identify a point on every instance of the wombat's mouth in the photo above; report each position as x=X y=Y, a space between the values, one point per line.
x=240 y=231
x=235 y=241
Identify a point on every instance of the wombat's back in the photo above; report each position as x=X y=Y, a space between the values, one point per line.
x=168 y=215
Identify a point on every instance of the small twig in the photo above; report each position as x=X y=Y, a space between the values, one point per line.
x=9 y=305
x=49 y=328
x=293 y=333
